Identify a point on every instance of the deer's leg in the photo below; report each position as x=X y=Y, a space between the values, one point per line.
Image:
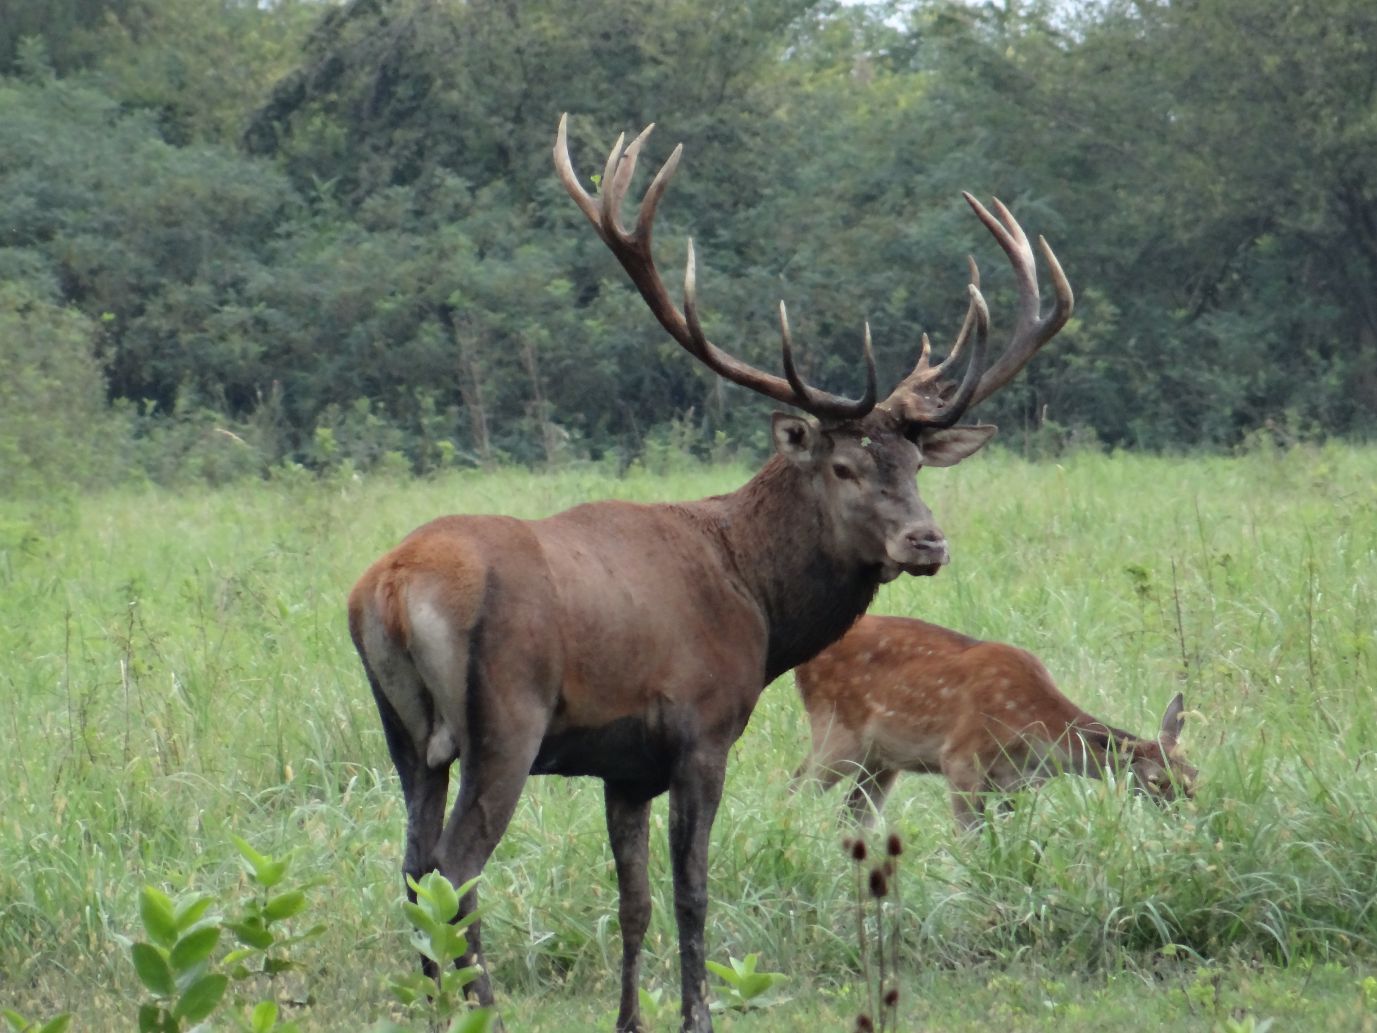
x=423 y=788
x=425 y=816
x=500 y=700
x=966 y=780
x=695 y=791
x=492 y=771
x=869 y=793
x=836 y=753
x=628 y=827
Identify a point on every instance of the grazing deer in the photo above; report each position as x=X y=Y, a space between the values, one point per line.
x=896 y=694
x=630 y=642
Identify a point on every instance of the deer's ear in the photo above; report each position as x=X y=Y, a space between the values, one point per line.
x=796 y=438
x=949 y=447
x=1173 y=719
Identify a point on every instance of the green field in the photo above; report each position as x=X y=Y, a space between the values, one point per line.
x=177 y=670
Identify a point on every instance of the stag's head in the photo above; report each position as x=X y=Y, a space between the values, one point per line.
x=860 y=456
x=1160 y=771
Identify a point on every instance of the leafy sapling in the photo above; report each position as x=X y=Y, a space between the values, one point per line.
x=442 y=941
x=173 y=964
x=745 y=987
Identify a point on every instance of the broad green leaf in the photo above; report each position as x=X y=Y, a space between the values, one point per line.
x=153 y=969
x=478 y=1021
x=201 y=997
x=255 y=859
x=150 y=1018
x=719 y=969
x=440 y=895
x=284 y=905
x=189 y=911
x=266 y=871
x=195 y=947
x=421 y=918
x=252 y=932
x=263 y=1017
x=155 y=910
x=57 y=1024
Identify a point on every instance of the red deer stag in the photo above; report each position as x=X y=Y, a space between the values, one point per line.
x=895 y=694
x=630 y=642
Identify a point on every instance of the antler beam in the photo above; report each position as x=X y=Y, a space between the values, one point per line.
x=632 y=250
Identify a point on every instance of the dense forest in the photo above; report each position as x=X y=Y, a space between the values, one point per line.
x=237 y=235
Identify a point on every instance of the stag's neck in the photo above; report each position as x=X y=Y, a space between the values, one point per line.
x=774 y=533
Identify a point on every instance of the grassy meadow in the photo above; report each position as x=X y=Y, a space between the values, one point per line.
x=176 y=669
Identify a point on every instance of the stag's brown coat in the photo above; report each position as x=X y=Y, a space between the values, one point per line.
x=630 y=642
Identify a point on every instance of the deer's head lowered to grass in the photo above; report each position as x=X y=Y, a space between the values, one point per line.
x=896 y=694
x=630 y=642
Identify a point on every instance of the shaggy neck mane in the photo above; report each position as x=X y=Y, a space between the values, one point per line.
x=773 y=530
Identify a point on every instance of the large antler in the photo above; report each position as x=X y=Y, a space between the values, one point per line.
x=923 y=398
x=632 y=249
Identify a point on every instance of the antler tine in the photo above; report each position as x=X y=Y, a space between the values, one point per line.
x=633 y=251
x=960 y=343
x=860 y=406
x=611 y=199
x=1031 y=329
x=617 y=178
x=918 y=399
x=979 y=314
x=564 y=168
x=646 y=216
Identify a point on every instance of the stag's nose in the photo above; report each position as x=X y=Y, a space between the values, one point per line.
x=925 y=539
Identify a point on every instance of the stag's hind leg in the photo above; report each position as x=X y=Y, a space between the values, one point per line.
x=628 y=827
x=400 y=695
x=508 y=697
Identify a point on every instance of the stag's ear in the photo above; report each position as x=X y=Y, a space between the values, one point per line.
x=796 y=437
x=949 y=447
x=1173 y=719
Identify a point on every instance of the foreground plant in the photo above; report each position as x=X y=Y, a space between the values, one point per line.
x=880 y=982
x=442 y=941
x=745 y=987
x=17 y=1023
x=176 y=962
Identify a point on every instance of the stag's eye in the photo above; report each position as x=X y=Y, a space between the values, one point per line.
x=843 y=472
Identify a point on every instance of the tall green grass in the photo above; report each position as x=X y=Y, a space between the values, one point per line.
x=176 y=669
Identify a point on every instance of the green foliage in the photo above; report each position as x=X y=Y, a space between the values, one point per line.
x=179 y=668
x=19 y=1024
x=400 y=244
x=441 y=939
x=178 y=966
x=743 y=987
x=174 y=966
x=56 y=432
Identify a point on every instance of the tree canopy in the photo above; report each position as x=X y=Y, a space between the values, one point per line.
x=332 y=230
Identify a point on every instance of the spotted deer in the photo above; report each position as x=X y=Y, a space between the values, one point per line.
x=896 y=694
x=630 y=642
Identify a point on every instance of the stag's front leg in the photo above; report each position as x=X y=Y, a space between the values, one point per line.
x=628 y=827
x=693 y=798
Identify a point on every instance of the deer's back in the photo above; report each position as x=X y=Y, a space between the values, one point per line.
x=910 y=691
